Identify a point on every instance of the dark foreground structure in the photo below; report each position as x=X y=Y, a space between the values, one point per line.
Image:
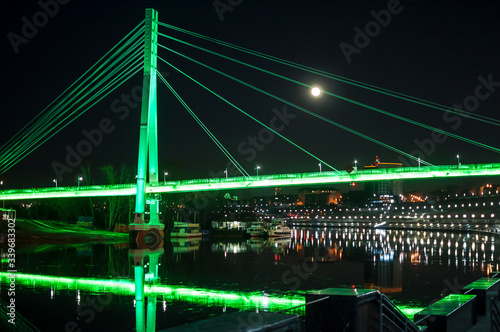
x=360 y=310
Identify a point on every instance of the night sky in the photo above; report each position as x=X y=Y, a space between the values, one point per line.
x=439 y=51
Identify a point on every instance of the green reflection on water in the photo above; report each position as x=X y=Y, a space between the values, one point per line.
x=240 y=300
x=202 y=296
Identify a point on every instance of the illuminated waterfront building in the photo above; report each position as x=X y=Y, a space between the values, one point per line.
x=319 y=197
x=385 y=191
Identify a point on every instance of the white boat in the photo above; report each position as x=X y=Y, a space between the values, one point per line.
x=185 y=230
x=8 y=214
x=280 y=231
x=257 y=230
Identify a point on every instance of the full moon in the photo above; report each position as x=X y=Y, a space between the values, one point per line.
x=315 y=91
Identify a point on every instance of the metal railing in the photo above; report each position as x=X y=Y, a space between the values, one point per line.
x=300 y=309
x=341 y=175
x=391 y=317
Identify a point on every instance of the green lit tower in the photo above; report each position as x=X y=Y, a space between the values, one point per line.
x=141 y=231
x=147 y=238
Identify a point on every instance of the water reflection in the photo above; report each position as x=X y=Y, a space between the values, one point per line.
x=470 y=250
x=139 y=257
x=182 y=245
x=148 y=292
x=193 y=280
x=409 y=265
x=257 y=245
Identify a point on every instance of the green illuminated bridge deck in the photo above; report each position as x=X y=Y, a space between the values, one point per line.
x=292 y=179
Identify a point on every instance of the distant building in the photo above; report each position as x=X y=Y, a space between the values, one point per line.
x=233 y=209
x=288 y=201
x=488 y=189
x=415 y=197
x=354 y=197
x=319 y=197
x=445 y=192
x=390 y=190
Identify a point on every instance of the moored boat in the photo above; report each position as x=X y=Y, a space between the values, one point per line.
x=280 y=231
x=185 y=230
x=257 y=230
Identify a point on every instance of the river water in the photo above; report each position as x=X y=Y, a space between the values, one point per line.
x=90 y=287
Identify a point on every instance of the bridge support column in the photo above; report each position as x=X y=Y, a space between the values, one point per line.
x=148 y=142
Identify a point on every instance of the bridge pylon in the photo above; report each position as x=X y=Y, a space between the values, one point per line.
x=148 y=145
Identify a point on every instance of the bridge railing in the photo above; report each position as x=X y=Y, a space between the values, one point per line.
x=55 y=189
x=340 y=175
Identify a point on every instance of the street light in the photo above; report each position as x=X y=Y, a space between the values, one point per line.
x=458 y=160
x=355 y=164
x=55 y=181
x=165 y=177
x=319 y=167
x=79 y=179
x=257 y=168
x=418 y=162
x=226 y=172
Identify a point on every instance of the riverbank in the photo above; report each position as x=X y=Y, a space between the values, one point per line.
x=30 y=232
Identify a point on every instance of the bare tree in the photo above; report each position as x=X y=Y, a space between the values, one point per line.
x=66 y=209
x=118 y=207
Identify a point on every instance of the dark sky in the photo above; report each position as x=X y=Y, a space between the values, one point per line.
x=432 y=50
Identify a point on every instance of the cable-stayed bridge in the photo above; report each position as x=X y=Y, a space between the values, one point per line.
x=274 y=180
x=139 y=51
